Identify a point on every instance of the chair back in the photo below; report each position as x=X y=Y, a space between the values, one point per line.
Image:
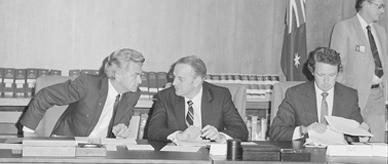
x=239 y=97
x=47 y=123
x=278 y=93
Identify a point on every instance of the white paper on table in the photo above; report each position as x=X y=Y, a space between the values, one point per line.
x=139 y=147
x=114 y=141
x=329 y=137
x=180 y=148
x=346 y=126
x=218 y=149
x=196 y=143
x=111 y=147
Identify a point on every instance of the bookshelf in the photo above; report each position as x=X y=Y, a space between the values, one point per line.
x=17 y=86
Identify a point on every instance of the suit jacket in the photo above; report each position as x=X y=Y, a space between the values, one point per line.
x=299 y=107
x=358 y=65
x=86 y=96
x=218 y=110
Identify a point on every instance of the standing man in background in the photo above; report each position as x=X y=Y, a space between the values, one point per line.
x=362 y=44
x=99 y=106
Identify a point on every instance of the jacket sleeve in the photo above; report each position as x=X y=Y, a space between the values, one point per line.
x=158 y=129
x=234 y=125
x=58 y=94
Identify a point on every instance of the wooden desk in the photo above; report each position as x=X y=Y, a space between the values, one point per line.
x=318 y=155
x=122 y=155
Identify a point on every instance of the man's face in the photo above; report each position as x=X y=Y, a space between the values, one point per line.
x=130 y=77
x=374 y=9
x=185 y=80
x=325 y=75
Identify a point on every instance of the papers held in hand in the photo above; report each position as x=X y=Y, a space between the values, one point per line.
x=334 y=134
x=347 y=126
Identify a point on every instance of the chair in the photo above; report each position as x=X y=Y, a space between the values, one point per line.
x=46 y=125
x=239 y=98
x=278 y=93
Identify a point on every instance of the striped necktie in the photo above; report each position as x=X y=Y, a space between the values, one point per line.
x=190 y=113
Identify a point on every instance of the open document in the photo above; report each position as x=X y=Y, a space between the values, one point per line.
x=347 y=126
x=334 y=134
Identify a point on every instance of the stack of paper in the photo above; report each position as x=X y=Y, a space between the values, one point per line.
x=49 y=147
x=346 y=126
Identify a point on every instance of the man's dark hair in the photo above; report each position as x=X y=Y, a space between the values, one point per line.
x=359 y=4
x=323 y=55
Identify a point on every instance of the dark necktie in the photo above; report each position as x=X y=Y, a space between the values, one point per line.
x=378 y=67
x=110 y=127
x=324 y=108
x=190 y=113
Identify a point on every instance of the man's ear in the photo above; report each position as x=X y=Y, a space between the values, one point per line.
x=198 y=81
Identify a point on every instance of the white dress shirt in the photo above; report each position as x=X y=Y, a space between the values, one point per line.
x=318 y=99
x=101 y=128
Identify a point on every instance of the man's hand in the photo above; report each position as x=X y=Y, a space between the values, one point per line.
x=318 y=127
x=366 y=127
x=192 y=133
x=210 y=132
x=121 y=131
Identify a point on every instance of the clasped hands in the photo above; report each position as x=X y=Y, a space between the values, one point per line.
x=193 y=133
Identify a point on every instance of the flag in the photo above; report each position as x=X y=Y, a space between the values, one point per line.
x=294 y=50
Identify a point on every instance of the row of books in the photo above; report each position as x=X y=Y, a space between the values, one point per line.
x=21 y=82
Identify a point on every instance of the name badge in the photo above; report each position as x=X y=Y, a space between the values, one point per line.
x=360 y=48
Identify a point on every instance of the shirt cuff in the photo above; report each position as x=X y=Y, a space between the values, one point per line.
x=227 y=137
x=25 y=129
x=297 y=135
x=172 y=136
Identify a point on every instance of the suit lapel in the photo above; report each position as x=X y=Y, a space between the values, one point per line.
x=103 y=94
x=311 y=108
x=336 y=101
x=179 y=110
x=358 y=29
x=206 y=107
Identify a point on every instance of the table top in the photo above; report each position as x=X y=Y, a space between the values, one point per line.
x=123 y=155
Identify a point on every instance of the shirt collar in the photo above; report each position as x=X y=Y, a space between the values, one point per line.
x=318 y=91
x=362 y=21
x=197 y=97
x=111 y=90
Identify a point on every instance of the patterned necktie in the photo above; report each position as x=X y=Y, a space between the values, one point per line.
x=324 y=108
x=190 y=113
x=110 y=127
x=378 y=67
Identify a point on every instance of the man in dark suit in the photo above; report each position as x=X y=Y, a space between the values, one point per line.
x=193 y=108
x=99 y=106
x=305 y=106
x=362 y=44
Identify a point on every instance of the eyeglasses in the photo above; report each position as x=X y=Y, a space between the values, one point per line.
x=379 y=6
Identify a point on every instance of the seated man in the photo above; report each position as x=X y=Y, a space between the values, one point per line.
x=305 y=106
x=193 y=109
x=99 y=106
